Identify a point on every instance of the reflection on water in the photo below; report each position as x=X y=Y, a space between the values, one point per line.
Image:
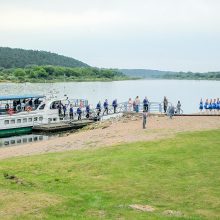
x=23 y=139
x=31 y=138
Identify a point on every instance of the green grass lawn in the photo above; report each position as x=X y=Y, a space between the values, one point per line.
x=180 y=174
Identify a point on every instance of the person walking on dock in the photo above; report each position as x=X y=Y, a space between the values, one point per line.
x=214 y=105
x=60 y=109
x=105 y=107
x=206 y=105
x=145 y=104
x=165 y=104
x=201 y=105
x=64 y=111
x=145 y=114
x=115 y=104
x=79 y=112
x=130 y=103
x=171 y=111
x=87 y=111
x=210 y=105
x=134 y=106
x=218 y=105
x=178 y=107
x=98 y=108
x=71 y=112
x=137 y=104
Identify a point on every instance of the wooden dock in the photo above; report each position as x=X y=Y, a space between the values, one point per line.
x=199 y=115
x=62 y=126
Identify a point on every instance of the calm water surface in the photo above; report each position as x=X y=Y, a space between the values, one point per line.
x=188 y=92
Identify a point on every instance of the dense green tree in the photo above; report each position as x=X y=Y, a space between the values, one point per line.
x=58 y=73
x=11 y=58
x=19 y=72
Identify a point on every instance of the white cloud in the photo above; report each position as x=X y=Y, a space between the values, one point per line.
x=168 y=34
x=147 y=15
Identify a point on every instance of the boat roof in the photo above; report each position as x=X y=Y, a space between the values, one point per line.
x=16 y=97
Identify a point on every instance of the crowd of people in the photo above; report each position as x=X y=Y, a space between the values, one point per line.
x=209 y=105
x=68 y=109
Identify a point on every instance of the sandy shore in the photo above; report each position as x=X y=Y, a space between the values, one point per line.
x=114 y=132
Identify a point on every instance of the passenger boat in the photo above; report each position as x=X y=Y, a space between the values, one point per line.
x=18 y=114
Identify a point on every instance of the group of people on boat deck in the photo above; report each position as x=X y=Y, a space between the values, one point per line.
x=64 y=109
x=22 y=105
x=209 y=105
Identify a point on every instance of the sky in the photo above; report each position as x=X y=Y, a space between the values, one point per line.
x=175 y=35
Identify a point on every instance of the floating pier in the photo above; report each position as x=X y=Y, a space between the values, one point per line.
x=62 y=126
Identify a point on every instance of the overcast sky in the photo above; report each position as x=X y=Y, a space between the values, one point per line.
x=180 y=35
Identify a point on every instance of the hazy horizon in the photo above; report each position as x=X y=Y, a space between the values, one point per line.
x=166 y=35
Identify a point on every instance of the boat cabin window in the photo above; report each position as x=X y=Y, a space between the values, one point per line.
x=42 y=107
x=35 y=119
x=55 y=105
x=19 y=141
x=24 y=140
x=40 y=118
x=19 y=121
x=6 y=122
x=24 y=120
x=29 y=119
x=6 y=143
x=12 y=121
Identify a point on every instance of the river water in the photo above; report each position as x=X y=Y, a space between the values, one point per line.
x=188 y=92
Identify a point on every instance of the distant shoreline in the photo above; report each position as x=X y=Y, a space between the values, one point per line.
x=104 y=80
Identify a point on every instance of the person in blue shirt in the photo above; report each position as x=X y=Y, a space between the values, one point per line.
x=206 y=105
x=210 y=105
x=79 y=112
x=218 y=104
x=71 y=112
x=87 y=111
x=98 y=108
x=105 y=107
x=201 y=105
x=115 y=104
x=145 y=104
x=64 y=110
x=214 y=105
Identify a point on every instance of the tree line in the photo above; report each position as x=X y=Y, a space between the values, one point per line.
x=191 y=75
x=58 y=73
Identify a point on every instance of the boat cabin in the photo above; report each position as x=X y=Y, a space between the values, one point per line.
x=17 y=103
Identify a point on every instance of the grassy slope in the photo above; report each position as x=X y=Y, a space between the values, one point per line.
x=178 y=174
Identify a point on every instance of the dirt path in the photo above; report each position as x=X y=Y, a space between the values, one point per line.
x=124 y=130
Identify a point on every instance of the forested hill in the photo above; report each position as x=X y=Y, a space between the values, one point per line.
x=20 y=58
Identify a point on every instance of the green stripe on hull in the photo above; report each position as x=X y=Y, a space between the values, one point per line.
x=14 y=131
